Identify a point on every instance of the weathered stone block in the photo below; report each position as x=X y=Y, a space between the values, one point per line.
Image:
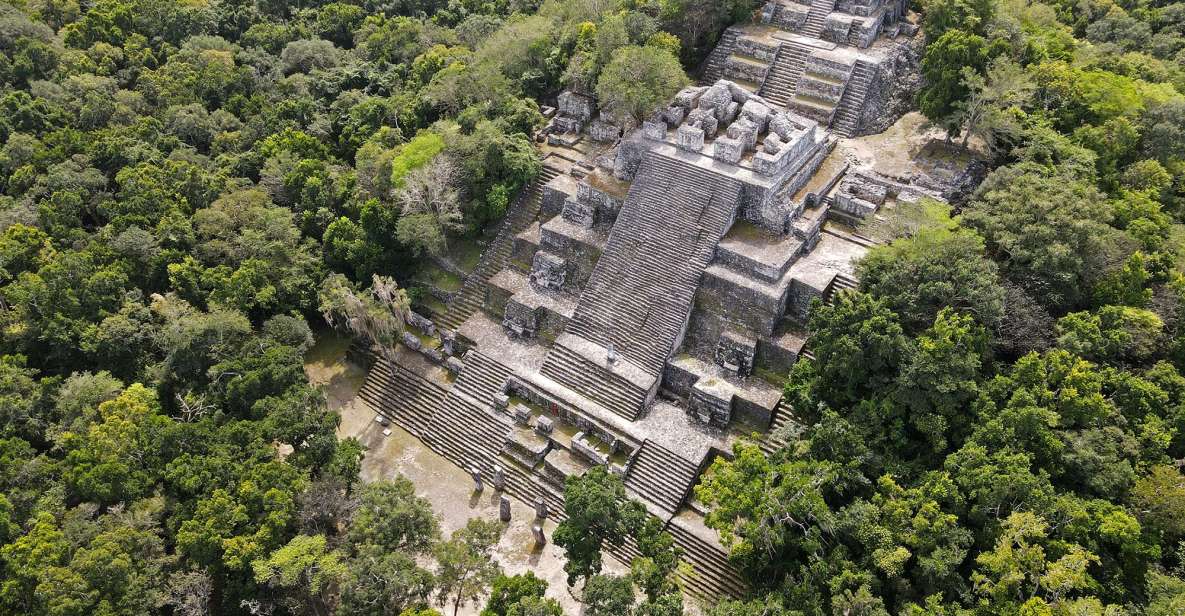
x=604 y=203
x=454 y=365
x=758 y=113
x=717 y=99
x=655 y=131
x=772 y=143
x=579 y=212
x=544 y=425
x=521 y=414
x=577 y=106
x=854 y=205
x=674 y=116
x=566 y=125
x=629 y=158
x=757 y=48
x=744 y=69
x=836 y=28
x=603 y=131
x=736 y=352
x=710 y=402
x=525 y=445
x=782 y=126
x=731 y=111
x=688 y=98
x=738 y=92
x=690 y=138
x=728 y=150
x=862 y=188
x=824 y=89
x=745 y=131
x=555 y=193
x=520 y=320
x=705 y=119
x=549 y=271
x=421 y=323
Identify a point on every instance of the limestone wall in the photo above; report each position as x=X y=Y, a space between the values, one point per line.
x=761 y=50
x=894 y=85
x=791 y=17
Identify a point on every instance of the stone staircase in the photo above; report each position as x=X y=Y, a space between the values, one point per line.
x=640 y=292
x=816 y=19
x=818 y=95
x=403 y=396
x=774 y=439
x=841 y=282
x=639 y=295
x=784 y=73
x=593 y=381
x=521 y=213
x=718 y=59
x=713 y=576
x=661 y=477
x=465 y=429
x=847 y=116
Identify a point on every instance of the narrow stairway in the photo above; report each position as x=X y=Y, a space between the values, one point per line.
x=783 y=77
x=521 y=213
x=714 y=67
x=775 y=439
x=816 y=19
x=847 y=115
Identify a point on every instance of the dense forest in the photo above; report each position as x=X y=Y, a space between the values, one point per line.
x=188 y=188
x=996 y=419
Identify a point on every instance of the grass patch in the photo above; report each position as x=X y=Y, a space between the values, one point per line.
x=329 y=348
x=429 y=304
x=465 y=252
x=435 y=276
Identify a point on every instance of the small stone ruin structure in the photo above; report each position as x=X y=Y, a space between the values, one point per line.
x=837 y=62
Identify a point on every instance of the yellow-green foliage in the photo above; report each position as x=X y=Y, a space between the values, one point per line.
x=414 y=154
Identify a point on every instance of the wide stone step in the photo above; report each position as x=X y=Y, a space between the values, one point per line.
x=594 y=382
x=465 y=433
x=661 y=477
x=714 y=575
x=403 y=396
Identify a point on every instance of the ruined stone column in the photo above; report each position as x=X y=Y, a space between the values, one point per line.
x=540 y=538
x=477 y=484
x=499 y=479
x=541 y=508
x=504 y=509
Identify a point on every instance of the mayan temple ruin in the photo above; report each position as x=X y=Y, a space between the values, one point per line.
x=646 y=296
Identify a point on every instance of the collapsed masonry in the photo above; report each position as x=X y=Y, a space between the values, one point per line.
x=645 y=296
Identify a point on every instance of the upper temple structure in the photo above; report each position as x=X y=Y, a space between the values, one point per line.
x=646 y=297
x=834 y=62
